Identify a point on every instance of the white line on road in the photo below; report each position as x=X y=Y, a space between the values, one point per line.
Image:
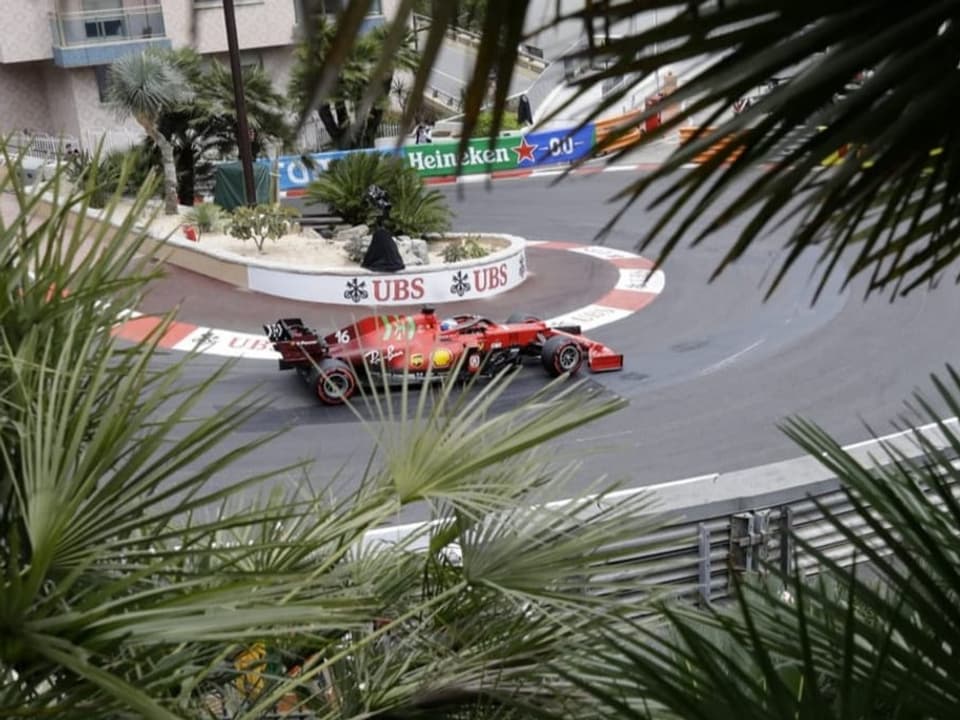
x=457 y=80
x=729 y=360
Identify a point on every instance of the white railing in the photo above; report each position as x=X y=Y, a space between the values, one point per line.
x=92 y=27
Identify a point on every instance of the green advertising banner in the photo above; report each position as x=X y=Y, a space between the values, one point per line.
x=479 y=157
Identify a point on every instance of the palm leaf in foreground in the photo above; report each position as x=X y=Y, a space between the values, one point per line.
x=897 y=120
x=892 y=220
x=133 y=584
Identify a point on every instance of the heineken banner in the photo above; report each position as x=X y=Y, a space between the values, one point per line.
x=519 y=152
x=480 y=156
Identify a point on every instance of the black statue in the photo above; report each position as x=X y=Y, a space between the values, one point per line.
x=383 y=254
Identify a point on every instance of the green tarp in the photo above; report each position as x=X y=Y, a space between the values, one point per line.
x=228 y=184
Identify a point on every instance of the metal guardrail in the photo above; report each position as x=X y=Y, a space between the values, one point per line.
x=739 y=521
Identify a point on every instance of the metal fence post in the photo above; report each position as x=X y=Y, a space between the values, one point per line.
x=786 y=539
x=704 y=566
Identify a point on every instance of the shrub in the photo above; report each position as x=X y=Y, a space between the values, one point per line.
x=416 y=209
x=343 y=186
x=206 y=217
x=466 y=249
x=485 y=123
x=102 y=175
x=97 y=175
x=261 y=222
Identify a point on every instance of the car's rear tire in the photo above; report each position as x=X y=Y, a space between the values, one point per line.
x=561 y=355
x=335 y=381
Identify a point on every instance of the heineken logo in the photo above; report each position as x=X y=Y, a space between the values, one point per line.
x=447 y=160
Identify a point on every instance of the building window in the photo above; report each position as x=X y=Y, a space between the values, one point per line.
x=102 y=73
x=250 y=59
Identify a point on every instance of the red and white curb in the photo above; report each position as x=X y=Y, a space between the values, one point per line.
x=638 y=286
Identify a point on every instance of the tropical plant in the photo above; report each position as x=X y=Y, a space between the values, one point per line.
x=876 y=210
x=131 y=586
x=104 y=174
x=415 y=208
x=206 y=217
x=465 y=249
x=261 y=223
x=266 y=109
x=146 y=85
x=343 y=185
x=352 y=112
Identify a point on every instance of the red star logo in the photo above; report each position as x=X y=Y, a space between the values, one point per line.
x=525 y=150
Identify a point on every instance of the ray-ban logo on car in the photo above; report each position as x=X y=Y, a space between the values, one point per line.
x=356 y=290
x=461 y=284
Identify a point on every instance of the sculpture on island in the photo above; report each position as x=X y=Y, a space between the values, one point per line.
x=383 y=254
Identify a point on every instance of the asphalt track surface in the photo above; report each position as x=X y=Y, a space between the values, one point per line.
x=711 y=368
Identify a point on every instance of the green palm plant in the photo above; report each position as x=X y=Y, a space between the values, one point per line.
x=144 y=86
x=342 y=186
x=133 y=577
x=417 y=208
x=352 y=113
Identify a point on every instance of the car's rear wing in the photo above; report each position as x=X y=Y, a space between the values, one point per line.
x=295 y=342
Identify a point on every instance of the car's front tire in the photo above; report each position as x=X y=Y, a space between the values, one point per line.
x=561 y=355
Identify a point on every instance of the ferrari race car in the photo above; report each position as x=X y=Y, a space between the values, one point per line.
x=421 y=346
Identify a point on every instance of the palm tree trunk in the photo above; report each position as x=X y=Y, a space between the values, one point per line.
x=170 y=202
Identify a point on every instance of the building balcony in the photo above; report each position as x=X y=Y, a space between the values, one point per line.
x=98 y=37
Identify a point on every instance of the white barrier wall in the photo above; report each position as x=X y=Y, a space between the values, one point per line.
x=429 y=284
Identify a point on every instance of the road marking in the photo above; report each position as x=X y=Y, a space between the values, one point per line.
x=729 y=360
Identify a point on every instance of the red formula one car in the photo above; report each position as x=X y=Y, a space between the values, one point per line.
x=415 y=347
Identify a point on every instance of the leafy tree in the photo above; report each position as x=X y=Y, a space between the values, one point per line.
x=145 y=86
x=353 y=111
x=207 y=125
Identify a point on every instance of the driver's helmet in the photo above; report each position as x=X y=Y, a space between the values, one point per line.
x=448 y=324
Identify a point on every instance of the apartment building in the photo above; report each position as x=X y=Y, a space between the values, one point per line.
x=54 y=54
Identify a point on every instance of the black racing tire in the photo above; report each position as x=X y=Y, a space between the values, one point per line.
x=561 y=355
x=521 y=318
x=335 y=381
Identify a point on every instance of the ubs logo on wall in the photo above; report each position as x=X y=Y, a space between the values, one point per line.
x=461 y=284
x=356 y=290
